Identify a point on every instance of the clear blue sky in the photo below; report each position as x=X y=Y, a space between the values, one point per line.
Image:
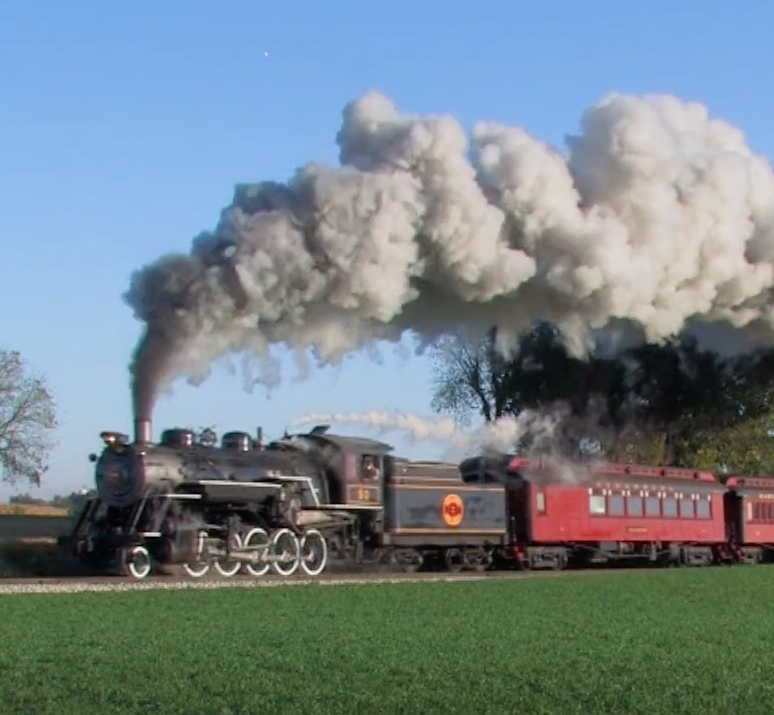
x=124 y=127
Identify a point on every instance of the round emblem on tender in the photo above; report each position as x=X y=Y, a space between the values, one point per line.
x=452 y=510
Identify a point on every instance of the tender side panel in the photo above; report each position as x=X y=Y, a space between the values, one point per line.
x=628 y=511
x=435 y=507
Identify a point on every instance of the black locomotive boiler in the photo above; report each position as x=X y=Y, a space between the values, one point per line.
x=293 y=504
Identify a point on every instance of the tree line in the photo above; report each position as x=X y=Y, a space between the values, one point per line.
x=672 y=404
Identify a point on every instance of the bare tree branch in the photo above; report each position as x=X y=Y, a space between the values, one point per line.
x=464 y=381
x=27 y=421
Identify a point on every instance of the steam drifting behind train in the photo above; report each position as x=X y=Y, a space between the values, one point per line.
x=657 y=220
x=497 y=436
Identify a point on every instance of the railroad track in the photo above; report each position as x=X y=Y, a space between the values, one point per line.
x=171 y=582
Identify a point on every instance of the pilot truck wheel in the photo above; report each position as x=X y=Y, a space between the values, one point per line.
x=136 y=562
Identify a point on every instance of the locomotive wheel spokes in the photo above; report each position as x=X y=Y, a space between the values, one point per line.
x=230 y=566
x=285 y=552
x=199 y=567
x=454 y=560
x=137 y=562
x=257 y=537
x=314 y=553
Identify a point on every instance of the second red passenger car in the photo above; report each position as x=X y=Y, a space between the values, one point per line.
x=615 y=511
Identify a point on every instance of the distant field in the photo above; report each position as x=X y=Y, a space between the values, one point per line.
x=682 y=641
x=31 y=510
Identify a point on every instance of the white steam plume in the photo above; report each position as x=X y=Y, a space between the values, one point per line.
x=659 y=219
x=500 y=436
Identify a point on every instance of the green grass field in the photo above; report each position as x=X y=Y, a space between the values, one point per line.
x=691 y=641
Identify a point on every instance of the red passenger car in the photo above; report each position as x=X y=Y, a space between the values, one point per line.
x=749 y=507
x=604 y=512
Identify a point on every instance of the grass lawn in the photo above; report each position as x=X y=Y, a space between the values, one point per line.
x=688 y=641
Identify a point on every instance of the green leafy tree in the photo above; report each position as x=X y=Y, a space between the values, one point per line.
x=661 y=404
x=27 y=421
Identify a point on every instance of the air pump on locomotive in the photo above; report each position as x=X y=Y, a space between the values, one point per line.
x=287 y=506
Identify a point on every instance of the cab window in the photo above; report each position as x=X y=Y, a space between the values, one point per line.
x=369 y=468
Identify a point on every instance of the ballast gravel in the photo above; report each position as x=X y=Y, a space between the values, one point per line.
x=92 y=587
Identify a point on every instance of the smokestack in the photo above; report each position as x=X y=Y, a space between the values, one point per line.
x=259 y=438
x=142 y=431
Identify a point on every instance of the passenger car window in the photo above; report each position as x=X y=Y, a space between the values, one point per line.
x=670 y=506
x=703 y=510
x=540 y=500
x=686 y=508
x=634 y=506
x=597 y=504
x=616 y=505
x=652 y=507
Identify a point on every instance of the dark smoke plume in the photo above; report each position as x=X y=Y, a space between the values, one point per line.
x=658 y=220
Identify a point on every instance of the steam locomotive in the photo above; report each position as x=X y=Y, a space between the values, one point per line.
x=292 y=504
x=307 y=498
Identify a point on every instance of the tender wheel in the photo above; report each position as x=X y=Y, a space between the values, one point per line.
x=285 y=551
x=477 y=559
x=137 y=562
x=257 y=537
x=230 y=567
x=454 y=560
x=314 y=553
x=409 y=560
x=199 y=567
